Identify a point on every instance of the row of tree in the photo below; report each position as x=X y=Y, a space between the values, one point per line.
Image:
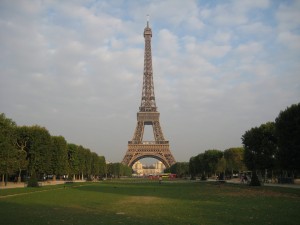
x=275 y=145
x=31 y=150
x=181 y=169
x=117 y=170
x=213 y=162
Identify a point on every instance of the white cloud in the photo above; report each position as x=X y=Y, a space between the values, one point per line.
x=194 y=23
x=250 y=4
x=227 y=16
x=248 y=53
x=288 y=16
x=233 y=13
x=249 y=48
x=222 y=37
x=289 y=39
x=168 y=43
x=257 y=29
x=207 y=49
x=78 y=69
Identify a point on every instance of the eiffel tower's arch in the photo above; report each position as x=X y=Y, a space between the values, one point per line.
x=138 y=157
x=159 y=150
x=148 y=115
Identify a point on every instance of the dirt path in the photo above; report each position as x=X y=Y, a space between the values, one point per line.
x=22 y=184
x=37 y=191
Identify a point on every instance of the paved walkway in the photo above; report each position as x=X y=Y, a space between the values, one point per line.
x=22 y=184
x=11 y=185
x=233 y=181
x=283 y=185
x=296 y=185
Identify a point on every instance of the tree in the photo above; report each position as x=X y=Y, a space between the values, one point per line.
x=21 y=141
x=287 y=126
x=119 y=169
x=85 y=162
x=201 y=166
x=88 y=162
x=95 y=164
x=179 y=168
x=205 y=164
x=109 y=168
x=7 y=150
x=193 y=167
x=127 y=171
x=33 y=149
x=81 y=159
x=235 y=159
x=254 y=180
x=260 y=146
x=21 y=162
x=39 y=151
x=59 y=158
x=197 y=166
x=221 y=167
x=73 y=160
x=102 y=166
x=210 y=159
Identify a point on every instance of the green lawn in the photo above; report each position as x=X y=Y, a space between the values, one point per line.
x=143 y=202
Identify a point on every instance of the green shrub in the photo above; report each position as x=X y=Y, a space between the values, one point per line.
x=33 y=181
x=203 y=177
x=254 y=180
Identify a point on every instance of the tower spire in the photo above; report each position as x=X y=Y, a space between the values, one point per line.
x=148 y=20
x=148 y=98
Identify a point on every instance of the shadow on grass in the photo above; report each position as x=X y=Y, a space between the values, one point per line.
x=183 y=191
x=13 y=213
x=149 y=203
x=87 y=205
x=188 y=190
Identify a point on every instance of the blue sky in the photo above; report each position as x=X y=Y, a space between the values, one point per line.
x=220 y=68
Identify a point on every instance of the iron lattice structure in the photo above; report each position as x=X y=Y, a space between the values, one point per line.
x=148 y=115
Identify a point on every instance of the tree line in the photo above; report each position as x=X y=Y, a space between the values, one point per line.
x=272 y=149
x=31 y=150
x=117 y=170
x=214 y=161
x=275 y=146
x=210 y=163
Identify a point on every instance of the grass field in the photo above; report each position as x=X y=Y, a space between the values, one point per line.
x=143 y=202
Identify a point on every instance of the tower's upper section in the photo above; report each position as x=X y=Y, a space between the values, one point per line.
x=147 y=30
x=148 y=98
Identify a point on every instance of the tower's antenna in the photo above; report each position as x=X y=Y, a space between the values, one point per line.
x=148 y=20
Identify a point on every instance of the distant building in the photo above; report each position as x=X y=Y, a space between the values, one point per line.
x=143 y=170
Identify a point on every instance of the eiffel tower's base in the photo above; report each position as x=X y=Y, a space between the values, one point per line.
x=160 y=152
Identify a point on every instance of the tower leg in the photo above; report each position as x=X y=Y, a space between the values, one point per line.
x=138 y=133
x=158 y=134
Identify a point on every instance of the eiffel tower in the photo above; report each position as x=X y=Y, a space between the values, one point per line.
x=148 y=115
